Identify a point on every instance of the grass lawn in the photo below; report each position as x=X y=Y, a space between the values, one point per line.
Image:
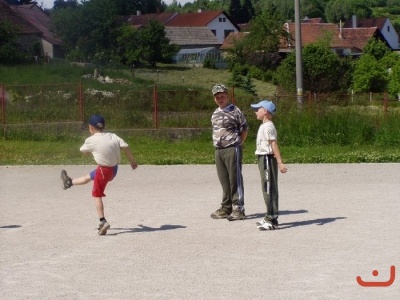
x=199 y=151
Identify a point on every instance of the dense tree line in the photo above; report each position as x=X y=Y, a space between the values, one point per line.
x=97 y=31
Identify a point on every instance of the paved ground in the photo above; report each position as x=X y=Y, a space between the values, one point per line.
x=338 y=221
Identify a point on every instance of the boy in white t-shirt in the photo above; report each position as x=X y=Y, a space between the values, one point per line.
x=269 y=160
x=106 y=150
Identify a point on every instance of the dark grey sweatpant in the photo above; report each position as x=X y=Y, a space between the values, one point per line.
x=229 y=170
x=268 y=166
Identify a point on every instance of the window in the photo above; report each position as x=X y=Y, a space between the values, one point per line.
x=214 y=32
x=222 y=19
x=227 y=32
x=388 y=29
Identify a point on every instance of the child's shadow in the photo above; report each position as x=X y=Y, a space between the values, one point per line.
x=321 y=221
x=143 y=228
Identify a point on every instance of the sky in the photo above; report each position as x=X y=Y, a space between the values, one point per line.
x=49 y=3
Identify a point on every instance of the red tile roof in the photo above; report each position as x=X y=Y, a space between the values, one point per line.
x=38 y=19
x=379 y=22
x=358 y=37
x=312 y=32
x=138 y=21
x=231 y=38
x=8 y=14
x=199 y=19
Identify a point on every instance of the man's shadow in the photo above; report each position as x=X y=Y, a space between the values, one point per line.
x=321 y=221
x=281 y=213
x=143 y=228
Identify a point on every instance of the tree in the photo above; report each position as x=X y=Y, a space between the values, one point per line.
x=60 y=4
x=313 y=8
x=128 y=42
x=369 y=75
x=394 y=81
x=154 y=45
x=87 y=30
x=376 y=48
x=261 y=43
x=337 y=10
x=9 y=52
x=235 y=10
x=323 y=70
x=247 y=11
x=373 y=69
x=66 y=23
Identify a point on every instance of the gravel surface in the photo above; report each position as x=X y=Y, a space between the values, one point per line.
x=337 y=222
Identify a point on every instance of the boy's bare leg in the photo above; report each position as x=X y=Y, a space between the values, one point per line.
x=81 y=180
x=99 y=207
x=104 y=226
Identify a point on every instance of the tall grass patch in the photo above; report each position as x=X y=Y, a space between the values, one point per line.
x=338 y=125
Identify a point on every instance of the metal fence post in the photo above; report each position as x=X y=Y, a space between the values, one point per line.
x=80 y=101
x=385 y=104
x=155 y=107
x=3 y=103
x=3 y=108
x=233 y=95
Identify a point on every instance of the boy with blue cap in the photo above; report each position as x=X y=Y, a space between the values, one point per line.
x=269 y=160
x=106 y=150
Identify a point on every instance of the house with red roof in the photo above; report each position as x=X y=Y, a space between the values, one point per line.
x=34 y=27
x=344 y=39
x=383 y=25
x=218 y=22
x=198 y=35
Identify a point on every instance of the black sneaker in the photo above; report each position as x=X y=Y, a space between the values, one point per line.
x=67 y=181
x=103 y=227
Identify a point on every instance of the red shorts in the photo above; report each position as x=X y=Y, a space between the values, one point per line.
x=101 y=177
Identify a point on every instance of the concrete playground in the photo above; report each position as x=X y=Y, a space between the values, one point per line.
x=337 y=222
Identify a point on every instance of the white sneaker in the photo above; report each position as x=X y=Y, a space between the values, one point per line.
x=103 y=227
x=264 y=225
x=259 y=223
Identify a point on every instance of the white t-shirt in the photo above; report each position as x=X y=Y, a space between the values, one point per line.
x=266 y=132
x=105 y=148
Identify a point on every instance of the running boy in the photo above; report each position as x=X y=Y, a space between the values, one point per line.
x=106 y=150
x=269 y=160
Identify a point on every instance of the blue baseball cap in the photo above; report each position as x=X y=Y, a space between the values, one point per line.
x=268 y=105
x=97 y=121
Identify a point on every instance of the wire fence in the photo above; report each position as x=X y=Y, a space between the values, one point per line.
x=61 y=109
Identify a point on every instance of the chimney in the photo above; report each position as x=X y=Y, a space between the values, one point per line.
x=138 y=12
x=199 y=10
x=340 y=29
x=354 y=21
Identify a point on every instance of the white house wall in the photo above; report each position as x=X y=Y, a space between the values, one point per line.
x=390 y=35
x=220 y=27
x=47 y=48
